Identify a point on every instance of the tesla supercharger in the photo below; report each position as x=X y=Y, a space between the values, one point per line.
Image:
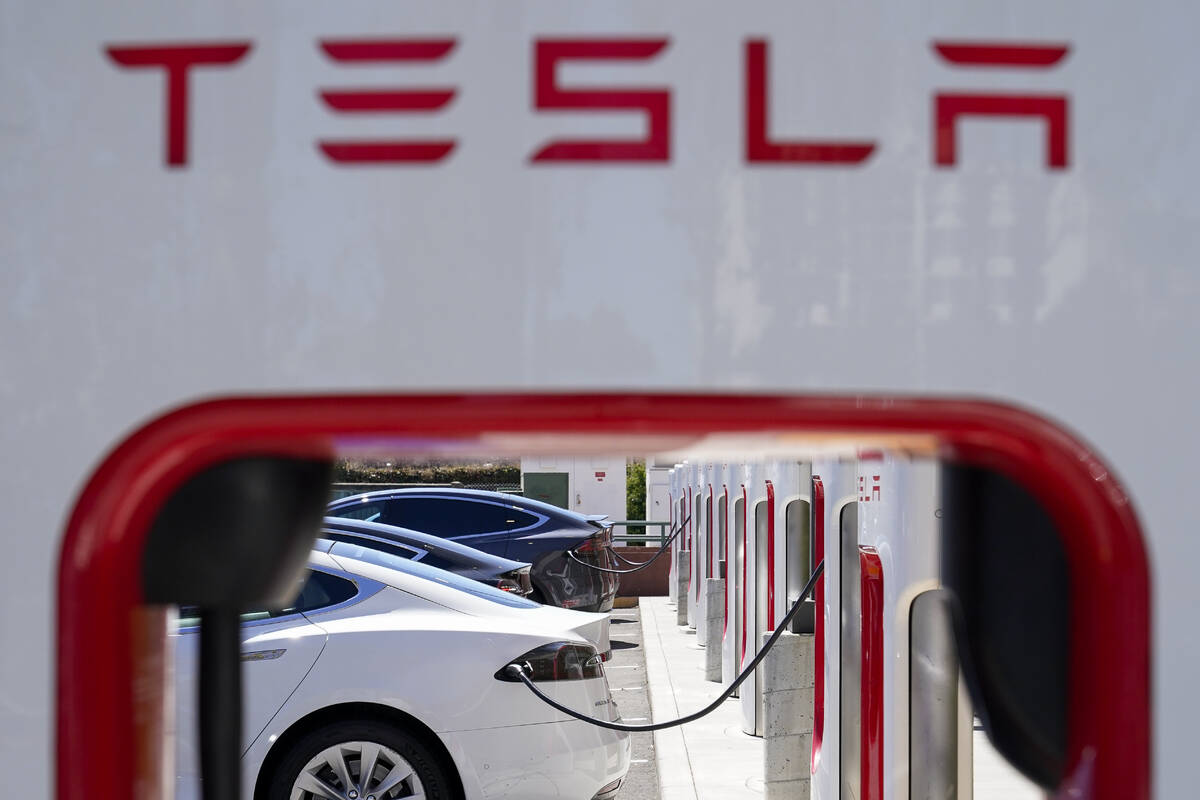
x=721 y=512
x=1011 y=476
x=695 y=504
x=905 y=715
x=685 y=536
x=834 y=507
x=704 y=502
x=793 y=543
x=755 y=593
x=676 y=543
x=735 y=569
x=671 y=575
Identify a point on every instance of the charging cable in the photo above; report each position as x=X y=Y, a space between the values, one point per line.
x=640 y=565
x=518 y=671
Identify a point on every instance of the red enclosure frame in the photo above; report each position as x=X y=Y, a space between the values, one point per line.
x=818 y=548
x=870 y=569
x=99 y=568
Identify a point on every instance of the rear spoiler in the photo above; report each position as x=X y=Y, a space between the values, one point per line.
x=598 y=520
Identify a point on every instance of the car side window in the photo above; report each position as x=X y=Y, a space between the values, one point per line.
x=367 y=512
x=429 y=573
x=319 y=590
x=443 y=516
x=388 y=547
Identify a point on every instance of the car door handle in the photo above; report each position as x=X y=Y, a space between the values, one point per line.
x=263 y=655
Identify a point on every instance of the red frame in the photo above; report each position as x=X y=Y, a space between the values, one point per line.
x=818 y=540
x=871 y=673
x=728 y=561
x=770 y=556
x=693 y=555
x=1109 y=711
x=745 y=502
x=709 y=534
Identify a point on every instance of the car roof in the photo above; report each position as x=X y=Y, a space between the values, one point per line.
x=431 y=583
x=515 y=500
x=447 y=548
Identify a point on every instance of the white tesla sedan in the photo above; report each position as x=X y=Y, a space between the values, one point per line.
x=385 y=679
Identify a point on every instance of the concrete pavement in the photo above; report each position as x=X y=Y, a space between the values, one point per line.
x=709 y=759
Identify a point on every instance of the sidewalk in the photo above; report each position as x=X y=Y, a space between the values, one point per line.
x=709 y=759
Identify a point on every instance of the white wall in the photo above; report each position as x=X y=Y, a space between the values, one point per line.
x=129 y=288
x=595 y=484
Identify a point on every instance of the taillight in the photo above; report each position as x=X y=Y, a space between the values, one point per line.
x=593 y=544
x=509 y=585
x=560 y=661
x=515 y=581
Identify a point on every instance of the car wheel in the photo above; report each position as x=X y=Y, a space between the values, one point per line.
x=359 y=761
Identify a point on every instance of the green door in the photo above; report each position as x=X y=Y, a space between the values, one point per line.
x=549 y=487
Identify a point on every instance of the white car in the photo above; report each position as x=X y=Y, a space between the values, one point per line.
x=385 y=679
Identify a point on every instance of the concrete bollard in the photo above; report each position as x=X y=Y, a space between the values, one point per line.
x=714 y=604
x=788 y=692
x=673 y=580
x=683 y=568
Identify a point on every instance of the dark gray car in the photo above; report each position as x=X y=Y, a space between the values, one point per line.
x=564 y=547
x=502 y=573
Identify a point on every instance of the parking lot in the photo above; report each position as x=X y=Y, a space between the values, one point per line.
x=627 y=677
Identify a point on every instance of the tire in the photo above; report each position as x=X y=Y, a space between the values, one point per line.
x=314 y=758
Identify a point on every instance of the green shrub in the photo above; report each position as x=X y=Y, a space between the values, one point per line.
x=635 y=494
x=364 y=471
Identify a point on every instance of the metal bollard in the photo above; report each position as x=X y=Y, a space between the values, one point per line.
x=714 y=604
x=683 y=569
x=788 y=692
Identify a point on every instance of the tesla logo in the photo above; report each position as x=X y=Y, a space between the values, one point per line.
x=868 y=492
x=653 y=104
x=760 y=148
x=176 y=61
x=394 y=100
x=949 y=106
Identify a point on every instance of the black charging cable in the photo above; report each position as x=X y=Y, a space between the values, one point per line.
x=518 y=671
x=640 y=565
x=220 y=703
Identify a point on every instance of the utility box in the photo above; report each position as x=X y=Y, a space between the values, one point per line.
x=549 y=487
x=593 y=485
x=658 y=493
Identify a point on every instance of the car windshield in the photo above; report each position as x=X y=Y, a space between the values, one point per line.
x=415 y=568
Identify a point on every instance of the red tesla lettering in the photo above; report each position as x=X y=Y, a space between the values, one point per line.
x=655 y=103
x=177 y=60
x=759 y=148
x=369 y=101
x=949 y=106
x=1001 y=54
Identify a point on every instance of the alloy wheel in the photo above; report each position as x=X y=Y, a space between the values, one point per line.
x=357 y=771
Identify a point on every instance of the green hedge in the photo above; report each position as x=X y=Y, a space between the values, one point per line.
x=351 y=471
x=635 y=494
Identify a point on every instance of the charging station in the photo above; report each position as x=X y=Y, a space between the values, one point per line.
x=1004 y=466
